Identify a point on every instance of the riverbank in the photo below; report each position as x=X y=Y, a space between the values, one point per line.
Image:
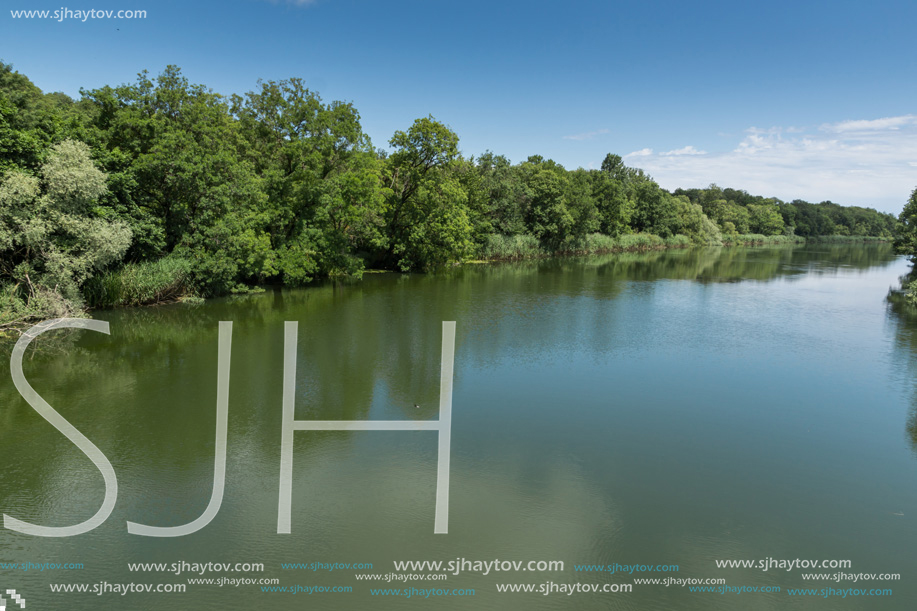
x=168 y=280
x=497 y=248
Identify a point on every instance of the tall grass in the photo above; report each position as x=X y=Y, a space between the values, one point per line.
x=640 y=241
x=499 y=246
x=503 y=247
x=590 y=243
x=600 y=243
x=137 y=284
x=678 y=241
x=758 y=239
x=846 y=239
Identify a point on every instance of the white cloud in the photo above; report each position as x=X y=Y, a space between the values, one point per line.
x=587 y=135
x=864 y=162
x=868 y=125
x=687 y=150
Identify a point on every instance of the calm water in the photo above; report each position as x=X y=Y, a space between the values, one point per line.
x=663 y=408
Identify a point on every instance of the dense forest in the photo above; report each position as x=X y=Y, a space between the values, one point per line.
x=162 y=189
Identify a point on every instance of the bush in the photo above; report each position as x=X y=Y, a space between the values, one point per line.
x=19 y=305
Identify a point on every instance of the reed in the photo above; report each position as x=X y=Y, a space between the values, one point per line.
x=145 y=283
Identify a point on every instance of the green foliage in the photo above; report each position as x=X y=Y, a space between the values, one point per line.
x=162 y=189
x=678 y=241
x=323 y=182
x=757 y=239
x=765 y=219
x=504 y=194
x=694 y=224
x=438 y=228
x=135 y=284
x=549 y=220
x=51 y=237
x=906 y=229
x=426 y=215
x=611 y=189
x=592 y=243
x=640 y=241
x=498 y=246
x=845 y=239
x=753 y=213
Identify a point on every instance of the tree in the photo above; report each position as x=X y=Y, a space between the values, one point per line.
x=182 y=182
x=549 y=220
x=765 y=219
x=654 y=209
x=906 y=234
x=693 y=223
x=426 y=206
x=51 y=235
x=504 y=193
x=320 y=174
x=582 y=204
x=611 y=190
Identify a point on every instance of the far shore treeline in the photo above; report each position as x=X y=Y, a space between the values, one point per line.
x=161 y=189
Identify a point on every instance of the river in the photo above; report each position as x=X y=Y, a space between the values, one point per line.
x=656 y=409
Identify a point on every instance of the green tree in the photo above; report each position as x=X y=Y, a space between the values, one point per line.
x=183 y=185
x=51 y=235
x=765 y=219
x=906 y=234
x=582 y=204
x=426 y=206
x=504 y=193
x=321 y=176
x=654 y=209
x=693 y=223
x=611 y=190
x=549 y=219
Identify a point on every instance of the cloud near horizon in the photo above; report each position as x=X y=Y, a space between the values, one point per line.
x=685 y=150
x=587 y=135
x=857 y=162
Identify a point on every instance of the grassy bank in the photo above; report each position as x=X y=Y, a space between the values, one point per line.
x=846 y=239
x=169 y=279
x=499 y=247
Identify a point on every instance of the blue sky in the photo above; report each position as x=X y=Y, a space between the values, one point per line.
x=814 y=100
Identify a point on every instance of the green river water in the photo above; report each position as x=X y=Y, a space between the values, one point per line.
x=667 y=408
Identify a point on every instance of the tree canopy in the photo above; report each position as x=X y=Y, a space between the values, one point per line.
x=279 y=186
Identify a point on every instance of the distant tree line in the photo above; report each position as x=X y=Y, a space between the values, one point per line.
x=161 y=188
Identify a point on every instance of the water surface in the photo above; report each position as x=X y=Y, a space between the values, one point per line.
x=665 y=408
